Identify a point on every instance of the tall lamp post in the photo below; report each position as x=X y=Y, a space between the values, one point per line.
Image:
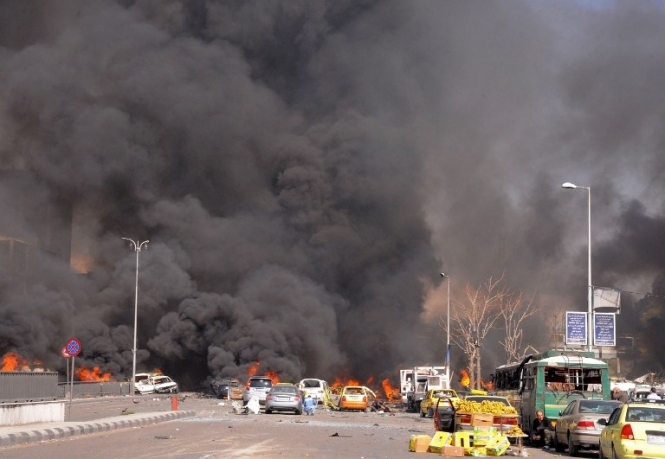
x=571 y=186
x=137 y=246
x=447 y=278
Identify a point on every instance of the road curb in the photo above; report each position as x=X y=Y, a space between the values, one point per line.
x=21 y=435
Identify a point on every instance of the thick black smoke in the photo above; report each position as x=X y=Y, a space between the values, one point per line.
x=304 y=169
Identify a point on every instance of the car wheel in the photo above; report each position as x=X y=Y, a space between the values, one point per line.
x=298 y=412
x=558 y=446
x=268 y=411
x=430 y=413
x=572 y=449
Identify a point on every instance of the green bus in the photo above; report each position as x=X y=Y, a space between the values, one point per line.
x=549 y=381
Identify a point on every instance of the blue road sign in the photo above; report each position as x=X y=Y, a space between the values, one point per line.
x=73 y=347
x=576 y=327
x=604 y=325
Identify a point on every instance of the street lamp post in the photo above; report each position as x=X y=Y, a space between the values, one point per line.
x=571 y=186
x=136 y=245
x=447 y=277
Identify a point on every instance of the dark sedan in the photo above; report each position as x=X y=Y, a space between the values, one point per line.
x=224 y=388
x=444 y=415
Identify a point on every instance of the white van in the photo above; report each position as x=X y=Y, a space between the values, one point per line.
x=313 y=387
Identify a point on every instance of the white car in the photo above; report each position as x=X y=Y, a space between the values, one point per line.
x=155 y=383
x=313 y=387
x=164 y=385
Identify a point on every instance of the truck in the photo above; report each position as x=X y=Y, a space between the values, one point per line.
x=416 y=381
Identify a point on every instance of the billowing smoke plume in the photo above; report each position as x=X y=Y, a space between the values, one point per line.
x=304 y=169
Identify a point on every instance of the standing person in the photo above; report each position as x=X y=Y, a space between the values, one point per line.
x=653 y=395
x=542 y=432
x=309 y=405
x=618 y=394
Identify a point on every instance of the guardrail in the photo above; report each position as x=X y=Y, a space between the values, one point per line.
x=27 y=386
x=94 y=388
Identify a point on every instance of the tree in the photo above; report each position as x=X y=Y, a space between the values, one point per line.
x=556 y=325
x=515 y=311
x=472 y=319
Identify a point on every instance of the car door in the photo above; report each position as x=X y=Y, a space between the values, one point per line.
x=610 y=431
x=562 y=425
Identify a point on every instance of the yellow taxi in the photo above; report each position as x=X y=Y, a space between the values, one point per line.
x=428 y=404
x=636 y=429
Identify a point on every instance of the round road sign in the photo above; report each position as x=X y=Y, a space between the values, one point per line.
x=73 y=347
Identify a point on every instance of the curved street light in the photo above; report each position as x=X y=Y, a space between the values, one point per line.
x=136 y=245
x=572 y=186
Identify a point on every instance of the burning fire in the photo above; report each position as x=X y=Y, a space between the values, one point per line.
x=251 y=371
x=85 y=374
x=465 y=380
x=272 y=375
x=11 y=361
x=389 y=390
x=349 y=382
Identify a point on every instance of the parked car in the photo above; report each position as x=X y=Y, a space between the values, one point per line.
x=634 y=426
x=258 y=386
x=353 y=398
x=227 y=388
x=314 y=387
x=284 y=397
x=577 y=427
x=164 y=385
x=143 y=383
x=444 y=415
x=428 y=405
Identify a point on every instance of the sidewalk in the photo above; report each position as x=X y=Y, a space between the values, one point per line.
x=35 y=433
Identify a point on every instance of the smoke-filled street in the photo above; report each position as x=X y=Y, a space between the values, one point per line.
x=304 y=170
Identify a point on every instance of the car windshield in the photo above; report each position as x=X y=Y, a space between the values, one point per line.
x=354 y=390
x=311 y=383
x=597 y=406
x=260 y=383
x=645 y=414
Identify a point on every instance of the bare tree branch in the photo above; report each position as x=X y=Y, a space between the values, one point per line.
x=472 y=319
x=515 y=311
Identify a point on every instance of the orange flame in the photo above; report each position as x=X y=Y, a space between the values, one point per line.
x=251 y=371
x=465 y=380
x=389 y=390
x=349 y=382
x=85 y=374
x=272 y=375
x=11 y=361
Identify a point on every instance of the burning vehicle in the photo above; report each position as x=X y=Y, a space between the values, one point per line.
x=147 y=383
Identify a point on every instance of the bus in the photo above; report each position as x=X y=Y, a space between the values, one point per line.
x=549 y=381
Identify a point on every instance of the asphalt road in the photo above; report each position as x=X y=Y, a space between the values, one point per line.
x=216 y=432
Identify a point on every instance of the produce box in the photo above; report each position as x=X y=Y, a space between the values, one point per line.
x=439 y=440
x=452 y=451
x=482 y=435
x=497 y=446
x=482 y=420
x=419 y=443
x=462 y=438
